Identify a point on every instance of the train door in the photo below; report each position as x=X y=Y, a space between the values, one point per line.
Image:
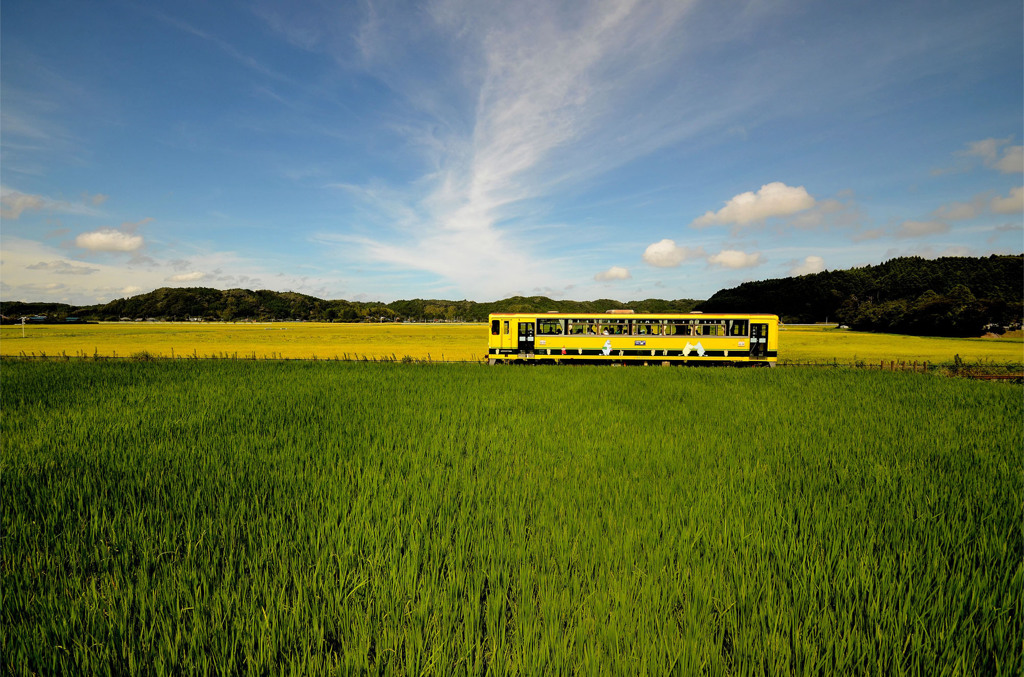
x=526 y=338
x=758 y=341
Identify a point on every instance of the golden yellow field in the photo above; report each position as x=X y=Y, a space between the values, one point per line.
x=264 y=340
x=452 y=342
x=822 y=343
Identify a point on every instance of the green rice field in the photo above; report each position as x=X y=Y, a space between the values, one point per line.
x=308 y=518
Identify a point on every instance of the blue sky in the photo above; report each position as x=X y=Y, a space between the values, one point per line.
x=475 y=149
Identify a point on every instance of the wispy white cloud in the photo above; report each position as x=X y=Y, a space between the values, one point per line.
x=1001 y=231
x=231 y=50
x=981 y=204
x=63 y=268
x=131 y=227
x=997 y=154
x=771 y=200
x=869 y=234
x=1012 y=161
x=986 y=149
x=839 y=212
x=921 y=228
x=962 y=211
x=14 y=203
x=557 y=96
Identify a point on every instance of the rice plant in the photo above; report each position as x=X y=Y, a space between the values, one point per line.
x=271 y=518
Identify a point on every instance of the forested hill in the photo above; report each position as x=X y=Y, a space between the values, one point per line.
x=170 y=303
x=950 y=296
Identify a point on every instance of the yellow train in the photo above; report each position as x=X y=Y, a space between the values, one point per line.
x=624 y=337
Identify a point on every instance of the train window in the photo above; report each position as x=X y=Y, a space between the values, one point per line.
x=614 y=327
x=549 y=327
x=581 y=327
x=647 y=328
x=506 y=327
x=737 y=327
x=495 y=327
x=712 y=328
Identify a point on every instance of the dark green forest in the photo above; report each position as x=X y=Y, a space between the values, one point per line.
x=951 y=296
x=170 y=303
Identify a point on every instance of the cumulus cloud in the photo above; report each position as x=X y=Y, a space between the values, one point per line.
x=187 y=277
x=773 y=199
x=63 y=268
x=13 y=203
x=921 y=228
x=734 y=259
x=667 y=254
x=613 y=273
x=810 y=265
x=109 y=240
x=1012 y=204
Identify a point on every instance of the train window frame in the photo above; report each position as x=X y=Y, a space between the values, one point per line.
x=495 y=327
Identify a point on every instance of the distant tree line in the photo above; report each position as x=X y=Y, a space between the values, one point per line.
x=200 y=303
x=950 y=296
